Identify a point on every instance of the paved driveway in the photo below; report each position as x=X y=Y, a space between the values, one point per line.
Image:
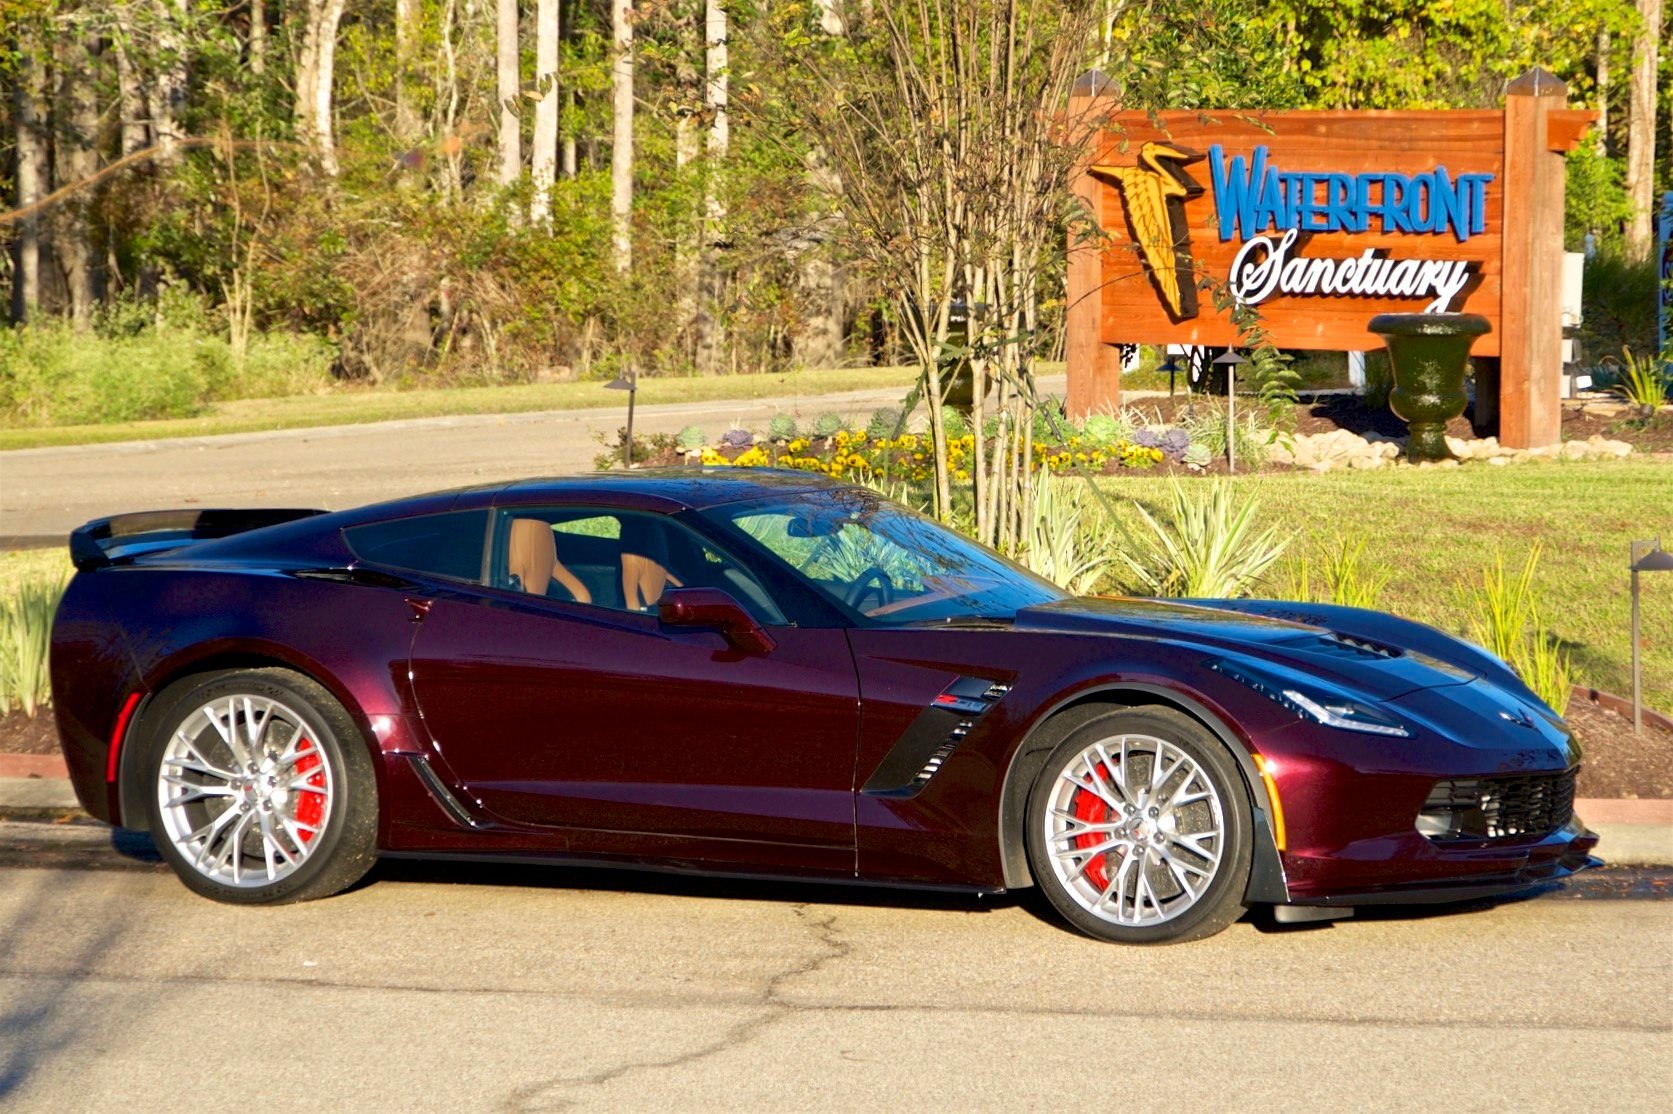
x=450 y=989
x=51 y=491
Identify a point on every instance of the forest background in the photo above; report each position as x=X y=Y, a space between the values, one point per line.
x=303 y=195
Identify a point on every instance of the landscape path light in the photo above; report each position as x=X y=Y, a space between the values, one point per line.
x=1646 y=556
x=628 y=382
x=1229 y=361
x=1171 y=366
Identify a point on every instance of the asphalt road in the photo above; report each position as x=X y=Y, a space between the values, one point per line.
x=445 y=988
x=51 y=491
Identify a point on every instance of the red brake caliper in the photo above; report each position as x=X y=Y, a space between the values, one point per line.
x=310 y=803
x=1091 y=808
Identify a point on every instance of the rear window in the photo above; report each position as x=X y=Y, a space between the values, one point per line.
x=448 y=545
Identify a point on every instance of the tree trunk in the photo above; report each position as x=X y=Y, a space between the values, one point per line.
x=688 y=146
x=168 y=91
x=1641 y=131
x=507 y=81
x=130 y=87
x=621 y=136
x=258 y=35
x=711 y=337
x=1602 y=130
x=77 y=158
x=407 y=16
x=571 y=162
x=28 y=92
x=544 y=160
x=315 y=76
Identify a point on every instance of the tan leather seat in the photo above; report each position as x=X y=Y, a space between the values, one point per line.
x=644 y=576
x=532 y=557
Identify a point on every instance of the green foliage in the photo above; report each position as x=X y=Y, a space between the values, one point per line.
x=827 y=424
x=1618 y=305
x=1505 y=618
x=1205 y=543
x=52 y=375
x=782 y=427
x=1072 y=541
x=1642 y=382
x=1346 y=579
x=884 y=422
x=1106 y=429
x=954 y=423
x=25 y=634
x=691 y=438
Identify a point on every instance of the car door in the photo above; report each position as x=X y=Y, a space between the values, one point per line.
x=555 y=705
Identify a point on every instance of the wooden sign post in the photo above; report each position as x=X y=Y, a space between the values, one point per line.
x=1319 y=221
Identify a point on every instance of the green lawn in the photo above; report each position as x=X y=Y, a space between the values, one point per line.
x=344 y=406
x=1436 y=528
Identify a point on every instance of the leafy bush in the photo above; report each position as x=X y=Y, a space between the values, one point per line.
x=1504 y=616
x=1071 y=542
x=1618 y=305
x=52 y=375
x=1106 y=429
x=1205 y=543
x=781 y=428
x=884 y=423
x=827 y=424
x=25 y=632
x=1641 y=382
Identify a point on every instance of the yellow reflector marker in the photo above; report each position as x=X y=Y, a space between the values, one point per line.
x=1266 y=768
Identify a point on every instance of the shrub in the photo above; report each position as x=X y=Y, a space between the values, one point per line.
x=827 y=424
x=25 y=633
x=1504 y=617
x=1105 y=429
x=1205 y=543
x=884 y=423
x=1071 y=541
x=691 y=438
x=781 y=428
x=1641 y=382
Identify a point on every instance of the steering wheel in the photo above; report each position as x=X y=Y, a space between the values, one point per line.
x=874 y=581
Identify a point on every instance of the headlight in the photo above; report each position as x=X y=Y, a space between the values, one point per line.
x=1316 y=702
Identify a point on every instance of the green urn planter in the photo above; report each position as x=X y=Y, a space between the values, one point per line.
x=1428 y=352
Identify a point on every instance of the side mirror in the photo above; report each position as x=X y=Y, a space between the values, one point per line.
x=712 y=609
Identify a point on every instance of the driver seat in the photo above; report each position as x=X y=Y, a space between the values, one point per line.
x=532 y=557
x=644 y=573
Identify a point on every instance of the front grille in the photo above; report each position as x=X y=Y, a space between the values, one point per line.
x=1509 y=808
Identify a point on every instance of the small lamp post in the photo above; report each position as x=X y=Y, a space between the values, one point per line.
x=1646 y=556
x=1229 y=360
x=628 y=382
x=1171 y=366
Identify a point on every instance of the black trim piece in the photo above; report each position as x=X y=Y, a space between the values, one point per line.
x=449 y=803
x=931 y=738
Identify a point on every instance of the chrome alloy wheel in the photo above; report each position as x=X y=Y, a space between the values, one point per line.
x=244 y=791
x=1135 y=830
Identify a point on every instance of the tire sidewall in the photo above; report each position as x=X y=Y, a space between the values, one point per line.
x=1222 y=903
x=332 y=730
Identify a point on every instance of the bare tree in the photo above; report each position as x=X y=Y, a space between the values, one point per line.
x=407 y=15
x=170 y=76
x=544 y=160
x=952 y=137
x=621 y=134
x=77 y=158
x=1641 y=130
x=316 y=70
x=29 y=94
x=506 y=59
x=258 y=34
x=711 y=338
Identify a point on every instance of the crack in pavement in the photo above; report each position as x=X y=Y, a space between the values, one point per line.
x=547 y=1095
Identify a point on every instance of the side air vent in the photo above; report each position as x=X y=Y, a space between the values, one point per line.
x=1357 y=647
x=924 y=748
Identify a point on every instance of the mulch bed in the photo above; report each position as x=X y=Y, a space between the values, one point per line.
x=1617 y=763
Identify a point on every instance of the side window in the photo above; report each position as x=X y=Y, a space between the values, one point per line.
x=447 y=545
x=621 y=560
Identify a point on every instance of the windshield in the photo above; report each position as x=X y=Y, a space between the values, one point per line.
x=884 y=562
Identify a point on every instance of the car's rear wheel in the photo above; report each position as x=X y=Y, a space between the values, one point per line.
x=260 y=788
x=1139 y=829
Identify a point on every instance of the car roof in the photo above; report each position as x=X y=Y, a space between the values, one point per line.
x=666 y=488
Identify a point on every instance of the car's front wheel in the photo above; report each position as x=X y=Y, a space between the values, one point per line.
x=1139 y=830
x=261 y=788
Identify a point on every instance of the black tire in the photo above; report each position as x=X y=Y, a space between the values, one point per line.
x=318 y=797
x=1069 y=880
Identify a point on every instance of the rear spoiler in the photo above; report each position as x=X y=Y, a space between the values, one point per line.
x=105 y=541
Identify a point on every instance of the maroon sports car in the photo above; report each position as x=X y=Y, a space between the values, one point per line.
x=771 y=674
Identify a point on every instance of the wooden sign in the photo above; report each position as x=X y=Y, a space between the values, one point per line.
x=1320 y=221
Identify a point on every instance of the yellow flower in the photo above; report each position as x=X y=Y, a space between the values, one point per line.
x=712 y=456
